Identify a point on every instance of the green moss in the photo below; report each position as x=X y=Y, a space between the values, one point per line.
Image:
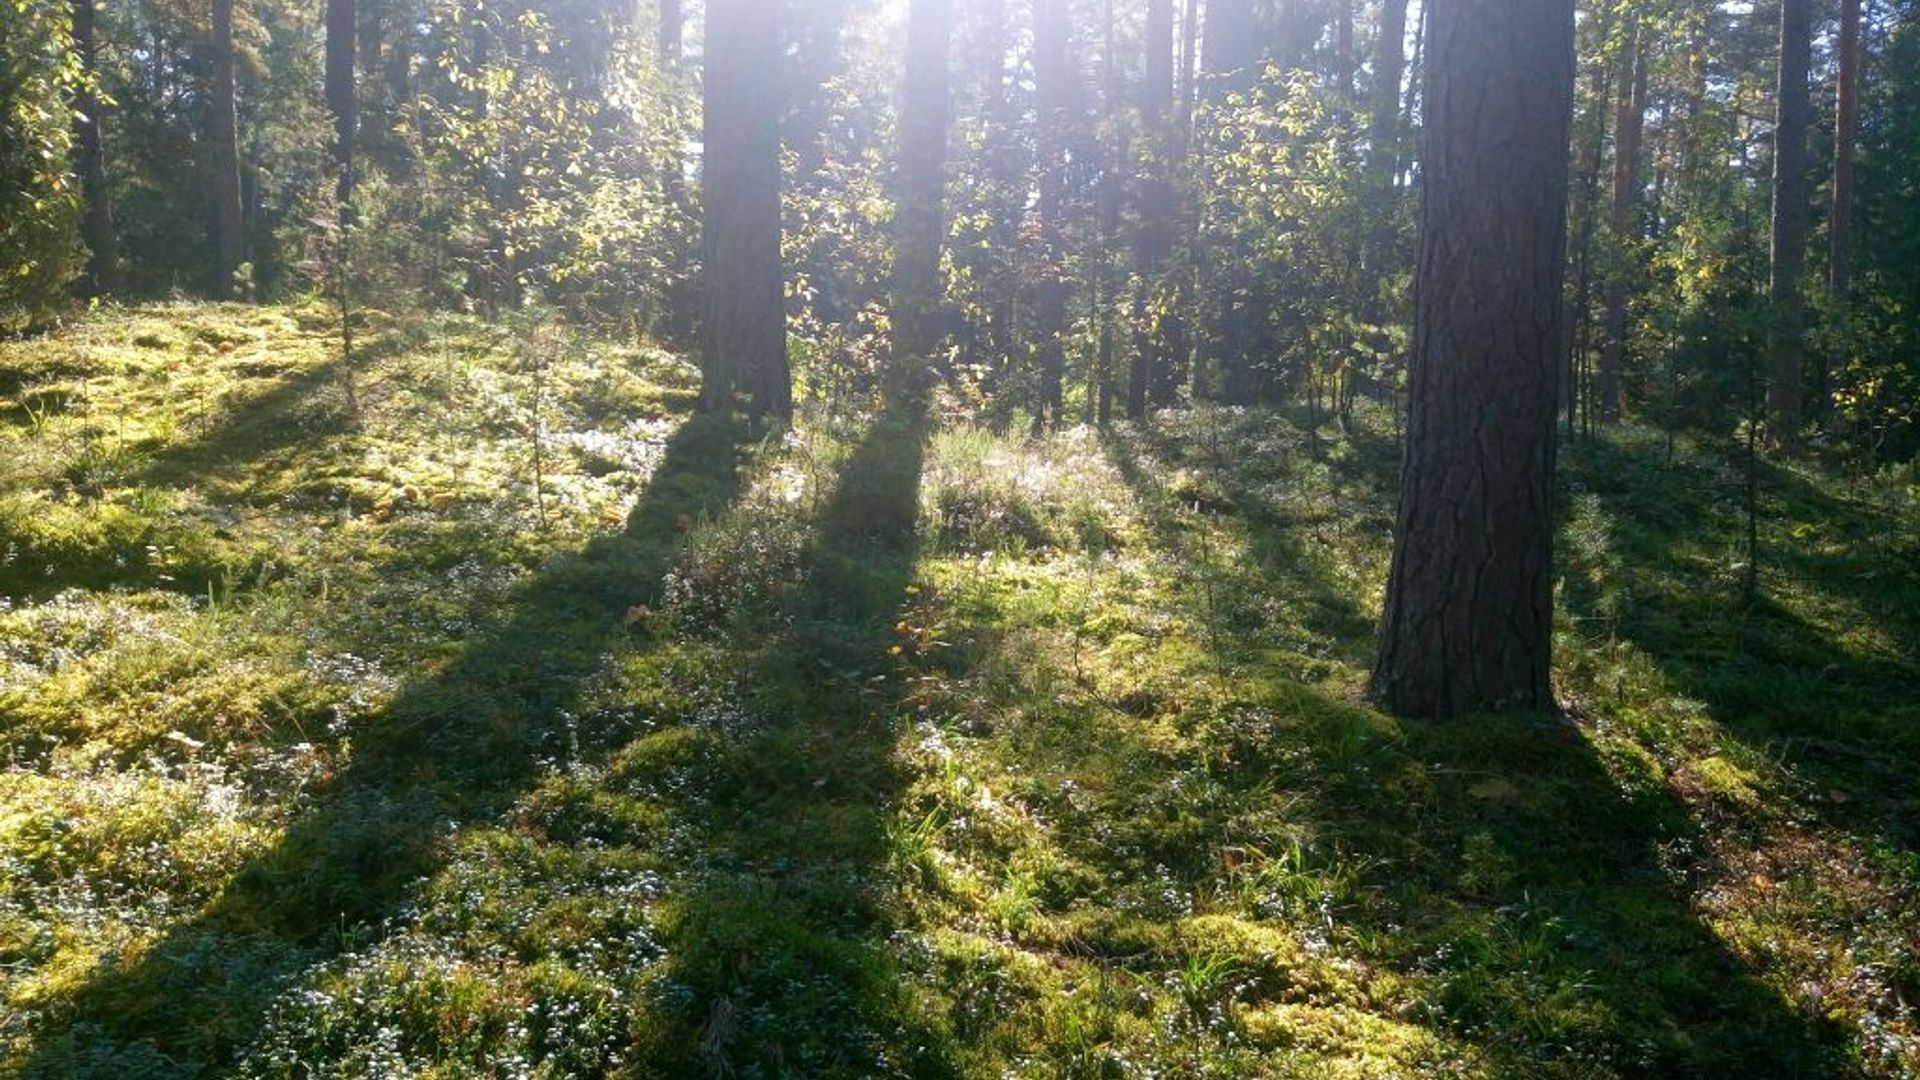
x=342 y=748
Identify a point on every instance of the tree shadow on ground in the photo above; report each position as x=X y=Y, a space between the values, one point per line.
x=1538 y=893
x=1289 y=557
x=454 y=747
x=1837 y=704
x=777 y=939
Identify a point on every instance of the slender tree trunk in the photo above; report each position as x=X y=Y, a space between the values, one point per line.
x=1793 y=108
x=668 y=50
x=1469 y=608
x=1151 y=381
x=342 y=35
x=223 y=140
x=97 y=226
x=1623 y=223
x=1840 y=216
x=1383 y=138
x=1586 y=207
x=1051 y=71
x=920 y=221
x=1343 y=49
x=681 y=293
x=1099 y=404
x=1189 y=67
x=1231 y=58
x=746 y=339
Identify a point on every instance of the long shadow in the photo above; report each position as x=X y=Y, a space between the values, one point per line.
x=455 y=746
x=259 y=425
x=1542 y=902
x=1286 y=557
x=778 y=937
x=273 y=419
x=1843 y=717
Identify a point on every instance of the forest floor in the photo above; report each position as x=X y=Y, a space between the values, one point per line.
x=881 y=747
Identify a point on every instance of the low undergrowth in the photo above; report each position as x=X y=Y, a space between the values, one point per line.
x=520 y=725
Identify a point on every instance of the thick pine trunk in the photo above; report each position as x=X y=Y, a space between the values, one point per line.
x=341 y=99
x=223 y=141
x=746 y=330
x=1469 y=608
x=920 y=221
x=97 y=226
x=1629 y=122
x=1793 y=108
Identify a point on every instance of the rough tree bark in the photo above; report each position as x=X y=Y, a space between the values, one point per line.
x=97 y=225
x=223 y=141
x=1629 y=122
x=1469 y=607
x=746 y=328
x=1793 y=108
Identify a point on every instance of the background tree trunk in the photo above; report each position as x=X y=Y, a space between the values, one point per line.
x=342 y=101
x=1846 y=128
x=97 y=226
x=920 y=221
x=1793 y=107
x=746 y=328
x=1150 y=380
x=1469 y=608
x=1051 y=73
x=1628 y=124
x=223 y=141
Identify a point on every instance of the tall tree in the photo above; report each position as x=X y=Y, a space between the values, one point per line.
x=668 y=49
x=1382 y=163
x=1629 y=123
x=223 y=140
x=1469 y=607
x=1846 y=126
x=1383 y=127
x=1152 y=379
x=342 y=98
x=97 y=224
x=746 y=329
x=1230 y=57
x=920 y=222
x=1793 y=108
x=1052 y=71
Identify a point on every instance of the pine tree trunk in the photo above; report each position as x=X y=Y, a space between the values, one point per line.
x=97 y=226
x=1231 y=58
x=1051 y=71
x=1840 y=215
x=746 y=333
x=1628 y=123
x=1383 y=142
x=1786 y=351
x=920 y=221
x=1151 y=380
x=341 y=98
x=223 y=140
x=1469 y=608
